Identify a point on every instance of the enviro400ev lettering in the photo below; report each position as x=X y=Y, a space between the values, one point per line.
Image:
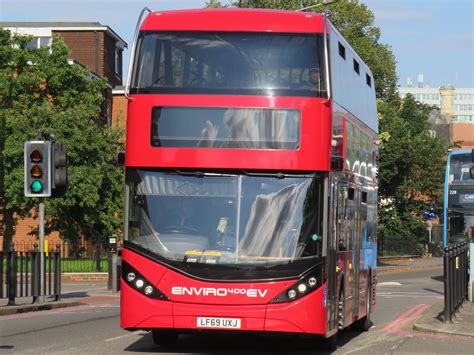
x=218 y=292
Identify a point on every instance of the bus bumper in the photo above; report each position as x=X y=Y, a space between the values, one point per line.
x=306 y=315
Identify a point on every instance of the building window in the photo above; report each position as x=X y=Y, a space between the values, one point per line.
x=117 y=61
x=342 y=51
x=39 y=42
x=356 y=66
x=368 y=79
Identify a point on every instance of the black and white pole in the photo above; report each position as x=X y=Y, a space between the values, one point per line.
x=41 y=241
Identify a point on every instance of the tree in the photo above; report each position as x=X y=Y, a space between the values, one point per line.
x=411 y=173
x=356 y=23
x=41 y=92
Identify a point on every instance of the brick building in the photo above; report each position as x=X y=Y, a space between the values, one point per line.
x=95 y=47
x=92 y=45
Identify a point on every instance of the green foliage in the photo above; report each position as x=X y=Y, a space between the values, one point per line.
x=411 y=172
x=41 y=92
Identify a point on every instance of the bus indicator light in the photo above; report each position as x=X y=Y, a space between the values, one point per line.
x=148 y=290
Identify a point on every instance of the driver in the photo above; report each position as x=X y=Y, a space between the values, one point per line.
x=314 y=82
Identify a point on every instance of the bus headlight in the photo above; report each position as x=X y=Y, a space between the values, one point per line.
x=311 y=281
x=302 y=288
x=139 y=283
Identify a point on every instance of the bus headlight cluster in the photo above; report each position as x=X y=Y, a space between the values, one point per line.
x=305 y=285
x=139 y=283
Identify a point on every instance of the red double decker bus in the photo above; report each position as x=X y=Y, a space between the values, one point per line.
x=251 y=187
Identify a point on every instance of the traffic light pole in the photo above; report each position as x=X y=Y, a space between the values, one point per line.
x=41 y=242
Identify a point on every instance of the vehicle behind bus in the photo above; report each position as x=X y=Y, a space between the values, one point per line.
x=459 y=197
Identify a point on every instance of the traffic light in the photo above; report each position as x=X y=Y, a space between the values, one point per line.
x=59 y=171
x=37 y=169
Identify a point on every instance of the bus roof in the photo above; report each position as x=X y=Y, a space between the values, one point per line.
x=462 y=151
x=256 y=20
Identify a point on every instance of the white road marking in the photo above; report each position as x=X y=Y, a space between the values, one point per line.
x=391 y=283
x=126 y=335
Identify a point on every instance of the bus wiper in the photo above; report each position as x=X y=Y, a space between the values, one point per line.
x=189 y=173
x=278 y=175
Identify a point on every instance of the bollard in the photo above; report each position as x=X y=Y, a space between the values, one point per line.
x=11 y=275
x=35 y=273
x=109 y=263
x=114 y=273
x=57 y=273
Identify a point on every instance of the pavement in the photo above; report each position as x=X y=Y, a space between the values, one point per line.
x=73 y=294
x=431 y=321
x=397 y=264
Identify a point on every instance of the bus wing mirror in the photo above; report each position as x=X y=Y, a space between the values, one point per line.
x=471 y=172
x=337 y=163
x=121 y=158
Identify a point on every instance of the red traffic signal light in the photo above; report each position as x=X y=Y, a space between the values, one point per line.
x=36 y=156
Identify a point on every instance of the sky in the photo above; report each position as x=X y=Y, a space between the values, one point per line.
x=430 y=37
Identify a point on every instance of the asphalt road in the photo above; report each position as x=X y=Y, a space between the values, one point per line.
x=94 y=328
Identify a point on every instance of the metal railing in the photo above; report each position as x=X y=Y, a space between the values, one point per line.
x=20 y=274
x=75 y=257
x=455 y=278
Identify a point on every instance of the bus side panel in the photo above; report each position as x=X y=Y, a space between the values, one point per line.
x=306 y=315
x=151 y=270
x=140 y=312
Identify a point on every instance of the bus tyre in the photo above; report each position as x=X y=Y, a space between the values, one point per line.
x=330 y=344
x=163 y=337
x=364 y=324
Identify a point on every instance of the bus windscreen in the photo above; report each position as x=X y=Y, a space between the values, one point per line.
x=239 y=221
x=230 y=63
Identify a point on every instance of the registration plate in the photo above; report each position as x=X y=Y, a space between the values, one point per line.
x=227 y=323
